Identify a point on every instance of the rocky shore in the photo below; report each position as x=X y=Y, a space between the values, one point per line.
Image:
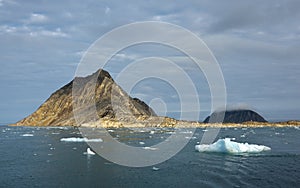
x=172 y=123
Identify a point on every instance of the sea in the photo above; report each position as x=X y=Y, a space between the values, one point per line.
x=57 y=157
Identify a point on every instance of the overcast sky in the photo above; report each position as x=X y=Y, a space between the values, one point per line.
x=256 y=43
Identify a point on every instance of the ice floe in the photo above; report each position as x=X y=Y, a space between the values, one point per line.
x=89 y=152
x=27 y=134
x=149 y=148
x=228 y=146
x=78 y=139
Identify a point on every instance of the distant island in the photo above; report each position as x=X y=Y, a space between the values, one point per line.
x=57 y=110
x=237 y=116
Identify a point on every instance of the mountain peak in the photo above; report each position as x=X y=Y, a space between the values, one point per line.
x=110 y=100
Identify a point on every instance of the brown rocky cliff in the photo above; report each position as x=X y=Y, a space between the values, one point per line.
x=57 y=110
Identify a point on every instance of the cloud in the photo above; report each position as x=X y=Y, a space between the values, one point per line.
x=7 y=29
x=56 y=33
x=32 y=31
x=165 y=18
x=37 y=18
x=3 y=2
x=279 y=17
x=107 y=10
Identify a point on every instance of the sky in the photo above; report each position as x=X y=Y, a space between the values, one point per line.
x=256 y=44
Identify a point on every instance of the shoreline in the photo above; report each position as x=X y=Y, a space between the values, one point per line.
x=163 y=122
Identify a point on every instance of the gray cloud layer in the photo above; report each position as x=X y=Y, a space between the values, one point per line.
x=256 y=43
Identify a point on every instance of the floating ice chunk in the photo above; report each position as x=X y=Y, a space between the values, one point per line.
x=193 y=137
x=89 y=152
x=228 y=146
x=74 y=139
x=149 y=148
x=155 y=168
x=152 y=132
x=27 y=134
x=141 y=143
x=187 y=132
x=63 y=128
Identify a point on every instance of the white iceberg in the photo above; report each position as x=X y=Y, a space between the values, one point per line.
x=228 y=146
x=27 y=135
x=89 y=152
x=149 y=148
x=74 y=139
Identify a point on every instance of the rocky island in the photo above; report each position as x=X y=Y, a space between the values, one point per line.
x=123 y=111
x=238 y=116
x=57 y=110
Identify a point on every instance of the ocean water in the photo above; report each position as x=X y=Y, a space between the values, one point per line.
x=55 y=157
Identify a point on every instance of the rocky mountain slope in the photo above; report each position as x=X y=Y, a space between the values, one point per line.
x=97 y=90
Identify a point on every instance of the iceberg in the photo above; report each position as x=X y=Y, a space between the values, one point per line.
x=89 y=151
x=226 y=145
x=27 y=135
x=74 y=139
x=149 y=148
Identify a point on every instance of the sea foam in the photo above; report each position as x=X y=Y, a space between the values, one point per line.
x=74 y=139
x=228 y=146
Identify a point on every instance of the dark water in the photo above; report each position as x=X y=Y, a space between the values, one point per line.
x=35 y=157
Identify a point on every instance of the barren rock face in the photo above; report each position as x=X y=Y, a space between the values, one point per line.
x=98 y=91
